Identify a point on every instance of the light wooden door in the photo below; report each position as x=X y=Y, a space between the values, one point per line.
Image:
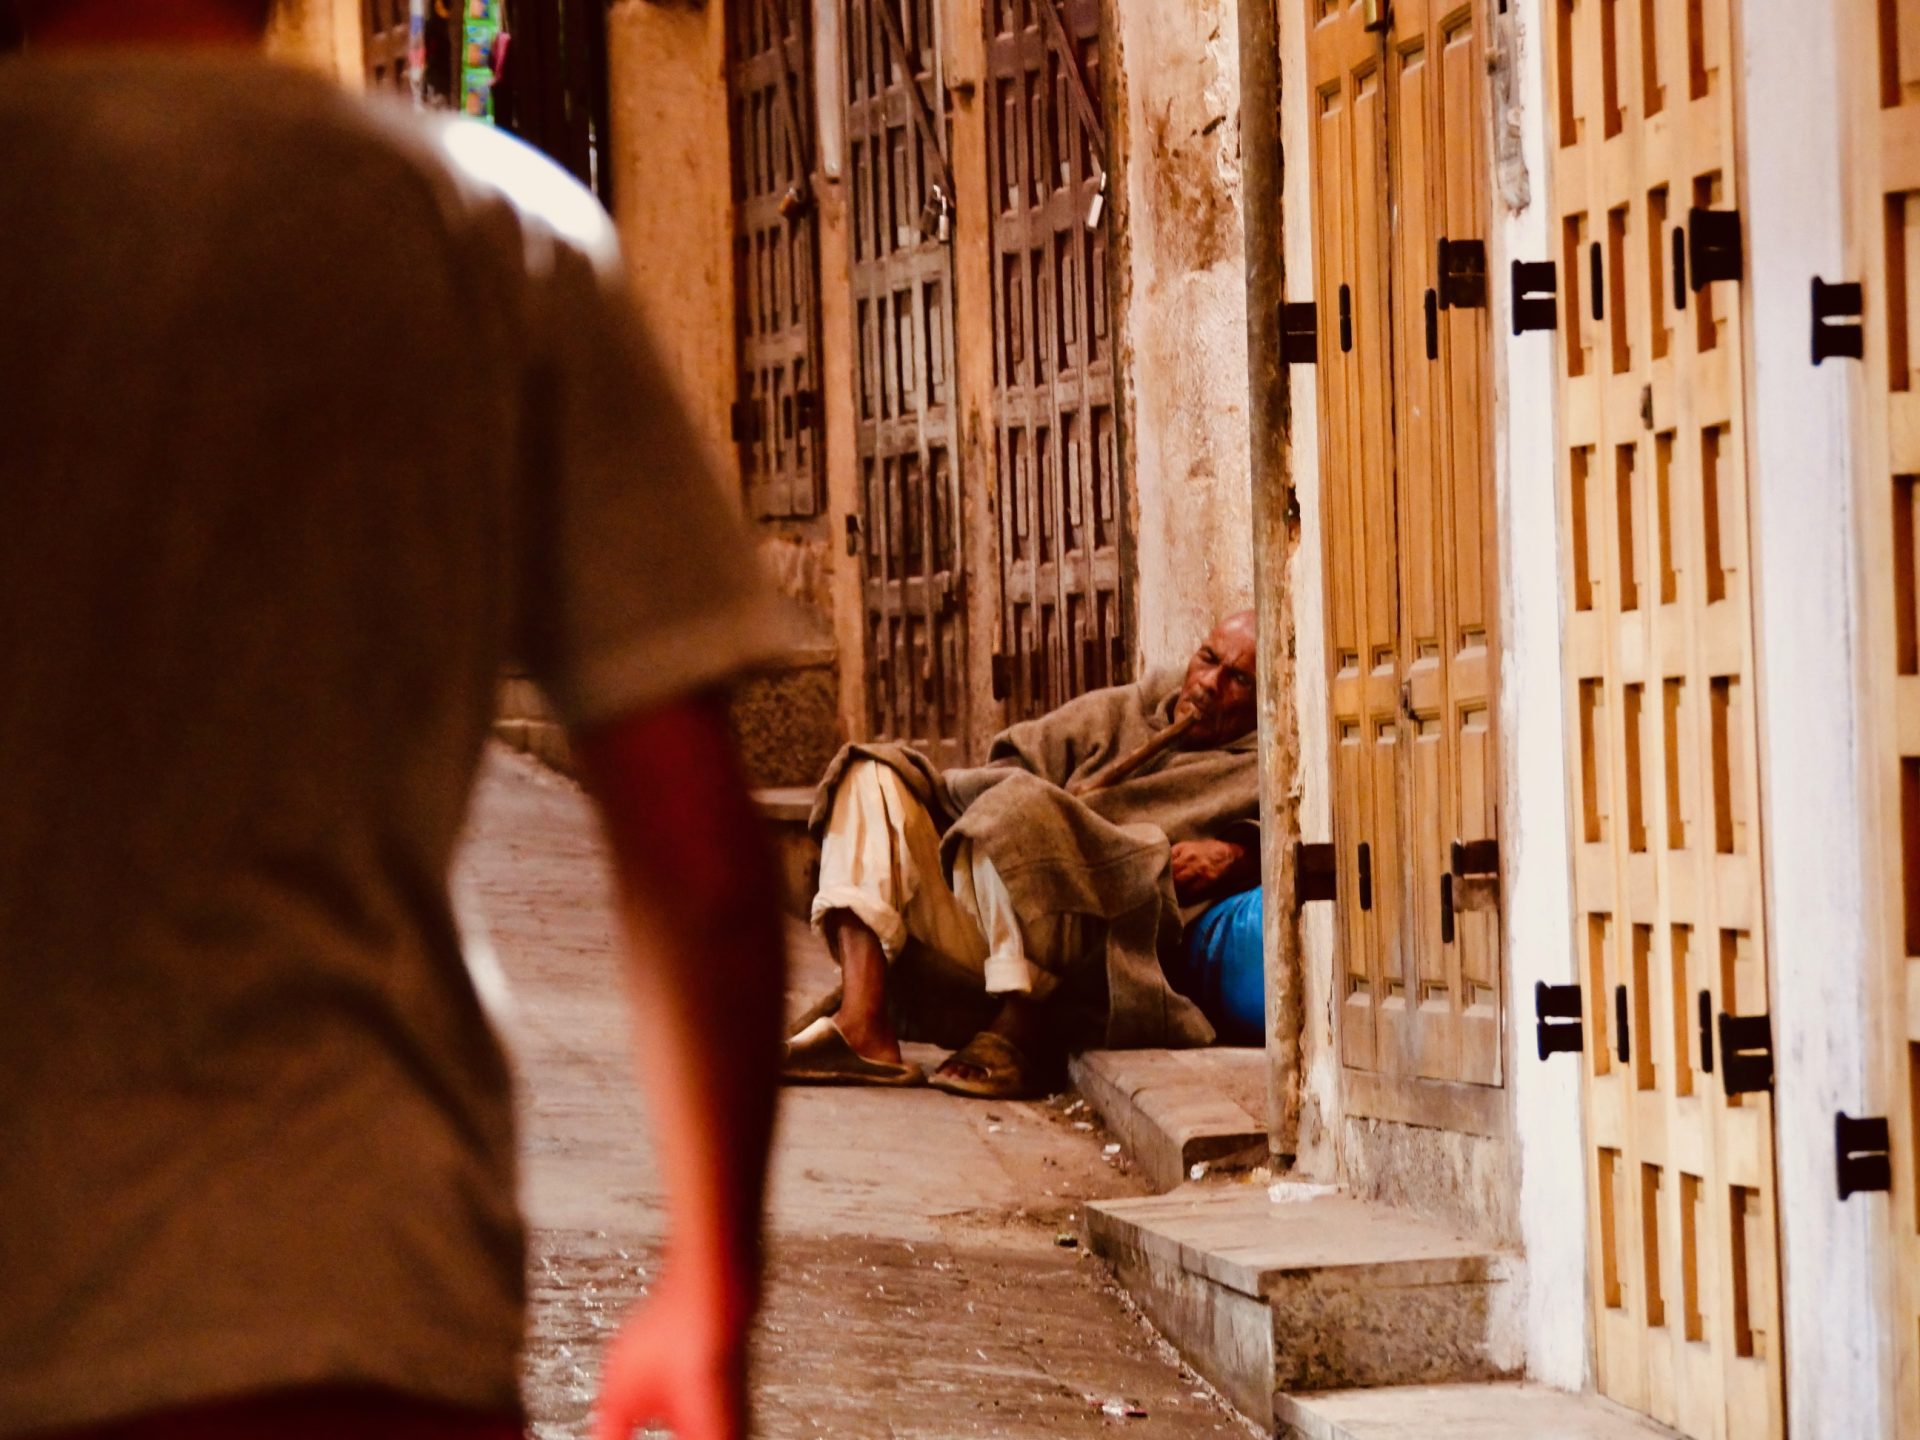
x=1882 y=44
x=1400 y=166
x=1659 y=653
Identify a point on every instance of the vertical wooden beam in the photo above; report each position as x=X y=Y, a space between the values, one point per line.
x=1275 y=534
x=964 y=51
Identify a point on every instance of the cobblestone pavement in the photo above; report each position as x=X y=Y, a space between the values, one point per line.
x=923 y=1285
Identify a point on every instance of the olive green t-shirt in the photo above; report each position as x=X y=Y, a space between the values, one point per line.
x=312 y=416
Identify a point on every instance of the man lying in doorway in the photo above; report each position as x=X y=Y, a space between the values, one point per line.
x=1034 y=897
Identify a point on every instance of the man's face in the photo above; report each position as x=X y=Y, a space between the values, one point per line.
x=1220 y=685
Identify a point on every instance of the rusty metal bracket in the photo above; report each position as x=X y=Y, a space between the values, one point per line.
x=1557 y=1029
x=1535 y=287
x=1299 y=333
x=1461 y=266
x=1746 y=1053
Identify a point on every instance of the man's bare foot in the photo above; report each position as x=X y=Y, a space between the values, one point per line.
x=1021 y=1022
x=862 y=1016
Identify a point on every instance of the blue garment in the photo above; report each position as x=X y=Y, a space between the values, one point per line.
x=1224 y=969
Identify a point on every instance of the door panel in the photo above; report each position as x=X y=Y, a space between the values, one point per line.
x=1067 y=624
x=775 y=261
x=1659 y=649
x=1408 y=516
x=908 y=535
x=1885 y=239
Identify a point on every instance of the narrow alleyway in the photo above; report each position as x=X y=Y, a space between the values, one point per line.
x=921 y=1285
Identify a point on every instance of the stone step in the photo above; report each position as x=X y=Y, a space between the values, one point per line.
x=1501 y=1411
x=1273 y=1290
x=785 y=808
x=1175 y=1109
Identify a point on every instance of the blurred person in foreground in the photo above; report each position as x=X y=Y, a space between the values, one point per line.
x=257 y=1161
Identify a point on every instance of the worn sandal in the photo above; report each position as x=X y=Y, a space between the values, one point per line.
x=821 y=1055
x=1010 y=1072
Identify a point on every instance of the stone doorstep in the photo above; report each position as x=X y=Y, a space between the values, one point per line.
x=1173 y=1109
x=1499 y=1411
x=1324 y=1293
x=785 y=809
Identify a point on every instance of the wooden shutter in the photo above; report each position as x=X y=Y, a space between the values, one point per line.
x=1400 y=164
x=1663 y=734
x=1882 y=45
x=1067 y=624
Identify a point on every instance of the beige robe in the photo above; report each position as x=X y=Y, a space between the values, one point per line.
x=1104 y=857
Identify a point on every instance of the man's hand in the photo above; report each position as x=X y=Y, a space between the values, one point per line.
x=680 y=1361
x=1205 y=868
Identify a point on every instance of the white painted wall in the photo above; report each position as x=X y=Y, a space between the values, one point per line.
x=1813 y=776
x=1536 y=862
x=1183 y=285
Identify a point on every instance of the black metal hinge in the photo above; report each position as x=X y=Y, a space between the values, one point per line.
x=1596 y=283
x=853 y=533
x=1299 y=333
x=1002 y=669
x=1433 y=323
x=1706 y=1031
x=1363 y=862
x=1622 y=1034
x=1746 y=1053
x=1557 y=1028
x=1713 y=246
x=744 y=421
x=1836 y=321
x=1316 y=873
x=1535 y=286
x=1861 y=1159
x=806 y=409
x=1462 y=268
x=1346 y=319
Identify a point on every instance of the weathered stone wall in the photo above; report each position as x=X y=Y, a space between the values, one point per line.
x=1181 y=268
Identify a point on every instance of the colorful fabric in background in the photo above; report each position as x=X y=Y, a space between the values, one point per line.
x=1223 y=969
x=482 y=23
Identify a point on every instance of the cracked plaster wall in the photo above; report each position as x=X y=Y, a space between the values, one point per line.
x=1182 y=274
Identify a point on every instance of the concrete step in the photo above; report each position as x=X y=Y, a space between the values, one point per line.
x=1503 y=1411
x=1274 y=1290
x=1175 y=1109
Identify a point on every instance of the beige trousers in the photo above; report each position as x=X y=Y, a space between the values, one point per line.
x=880 y=859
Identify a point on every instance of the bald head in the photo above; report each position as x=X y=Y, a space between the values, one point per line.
x=1220 y=684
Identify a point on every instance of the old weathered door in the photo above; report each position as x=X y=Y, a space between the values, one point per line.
x=1882 y=46
x=1400 y=207
x=777 y=412
x=1659 y=654
x=1067 y=624
x=384 y=26
x=908 y=532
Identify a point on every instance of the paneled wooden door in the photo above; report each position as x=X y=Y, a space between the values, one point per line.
x=1882 y=46
x=1659 y=653
x=777 y=413
x=1067 y=618
x=1400 y=225
x=909 y=530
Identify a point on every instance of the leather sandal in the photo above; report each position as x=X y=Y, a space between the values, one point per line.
x=821 y=1055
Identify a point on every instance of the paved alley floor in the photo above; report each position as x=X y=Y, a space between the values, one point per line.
x=919 y=1286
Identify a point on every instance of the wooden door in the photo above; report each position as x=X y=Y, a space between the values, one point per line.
x=777 y=411
x=1882 y=46
x=384 y=28
x=908 y=532
x=1663 y=733
x=1066 y=623
x=1400 y=164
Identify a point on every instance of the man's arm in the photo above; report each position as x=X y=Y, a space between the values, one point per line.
x=699 y=891
x=1208 y=869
